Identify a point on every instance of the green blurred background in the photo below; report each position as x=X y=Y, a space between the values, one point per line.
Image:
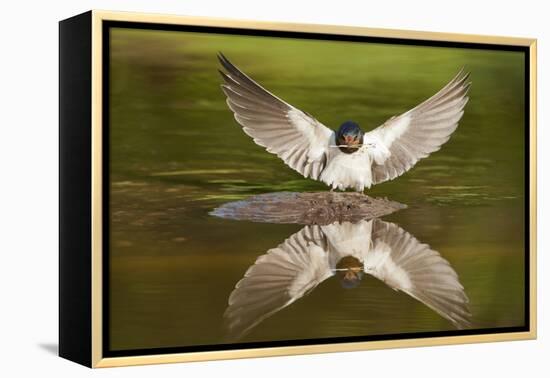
x=176 y=153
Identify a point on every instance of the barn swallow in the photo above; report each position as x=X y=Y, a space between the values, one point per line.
x=348 y=157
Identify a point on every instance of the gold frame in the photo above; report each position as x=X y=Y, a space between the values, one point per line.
x=97 y=356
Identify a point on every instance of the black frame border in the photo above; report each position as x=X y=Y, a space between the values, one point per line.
x=107 y=25
x=75 y=195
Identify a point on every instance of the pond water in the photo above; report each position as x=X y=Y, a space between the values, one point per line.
x=176 y=154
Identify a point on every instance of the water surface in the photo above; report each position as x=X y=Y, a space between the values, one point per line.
x=177 y=153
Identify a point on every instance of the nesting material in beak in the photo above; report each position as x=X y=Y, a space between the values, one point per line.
x=350 y=271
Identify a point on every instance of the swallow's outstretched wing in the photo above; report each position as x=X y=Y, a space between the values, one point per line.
x=400 y=142
x=405 y=264
x=296 y=137
x=277 y=279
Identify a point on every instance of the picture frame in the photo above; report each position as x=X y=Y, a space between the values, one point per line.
x=85 y=186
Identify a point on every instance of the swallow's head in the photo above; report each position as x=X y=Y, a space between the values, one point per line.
x=350 y=136
x=350 y=272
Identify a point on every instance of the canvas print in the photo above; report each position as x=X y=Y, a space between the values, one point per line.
x=273 y=190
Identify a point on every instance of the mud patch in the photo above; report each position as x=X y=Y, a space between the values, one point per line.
x=307 y=208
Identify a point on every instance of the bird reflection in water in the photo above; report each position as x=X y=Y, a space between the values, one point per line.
x=349 y=251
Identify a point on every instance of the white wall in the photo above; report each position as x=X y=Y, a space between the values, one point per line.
x=28 y=148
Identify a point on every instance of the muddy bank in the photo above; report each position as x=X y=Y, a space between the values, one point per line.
x=307 y=208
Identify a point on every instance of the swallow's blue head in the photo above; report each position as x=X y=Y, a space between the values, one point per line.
x=351 y=279
x=350 y=272
x=350 y=136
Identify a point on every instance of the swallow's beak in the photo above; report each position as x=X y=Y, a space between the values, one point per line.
x=349 y=139
x=351 y=275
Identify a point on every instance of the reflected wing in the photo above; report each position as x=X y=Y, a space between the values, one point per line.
x=403 y=263
x=296 y=137
x=278 y=278
x=400 y=142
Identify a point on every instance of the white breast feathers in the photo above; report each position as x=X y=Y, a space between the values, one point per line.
x=347 y=170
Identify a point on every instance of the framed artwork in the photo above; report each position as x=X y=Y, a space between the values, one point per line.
x=234 y=189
